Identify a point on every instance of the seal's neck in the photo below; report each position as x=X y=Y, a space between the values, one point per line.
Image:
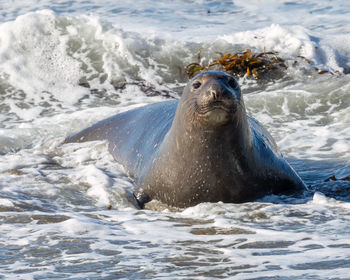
x=194 y=164
x=196 y=141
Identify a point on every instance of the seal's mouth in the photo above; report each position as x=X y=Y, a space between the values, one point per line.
x=214 y=106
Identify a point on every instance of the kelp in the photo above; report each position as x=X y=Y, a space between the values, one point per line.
x=263 y=65
x=147 y=88
x=240 y=64
x=319 y=71
x=333 y=178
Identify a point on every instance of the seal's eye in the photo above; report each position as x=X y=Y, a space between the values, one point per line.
x=196 y=85
x=233 y=84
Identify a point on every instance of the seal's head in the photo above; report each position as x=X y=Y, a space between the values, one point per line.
x=212 y=99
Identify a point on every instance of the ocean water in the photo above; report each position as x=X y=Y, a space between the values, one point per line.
x=66 y=211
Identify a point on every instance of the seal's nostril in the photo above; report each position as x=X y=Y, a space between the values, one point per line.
x=215 y=94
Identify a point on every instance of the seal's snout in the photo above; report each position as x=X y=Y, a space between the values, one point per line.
x=217 y=94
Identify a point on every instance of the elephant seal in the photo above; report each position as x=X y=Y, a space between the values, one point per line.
x=201 y=148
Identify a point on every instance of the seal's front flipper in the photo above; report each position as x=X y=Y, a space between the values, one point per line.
x=141 y=197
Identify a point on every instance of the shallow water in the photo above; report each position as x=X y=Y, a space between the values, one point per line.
x=66 y=211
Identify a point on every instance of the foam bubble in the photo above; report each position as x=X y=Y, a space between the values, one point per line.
x=98 y=182
x=80 y=225
x=321 y=199
x=6 y=203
